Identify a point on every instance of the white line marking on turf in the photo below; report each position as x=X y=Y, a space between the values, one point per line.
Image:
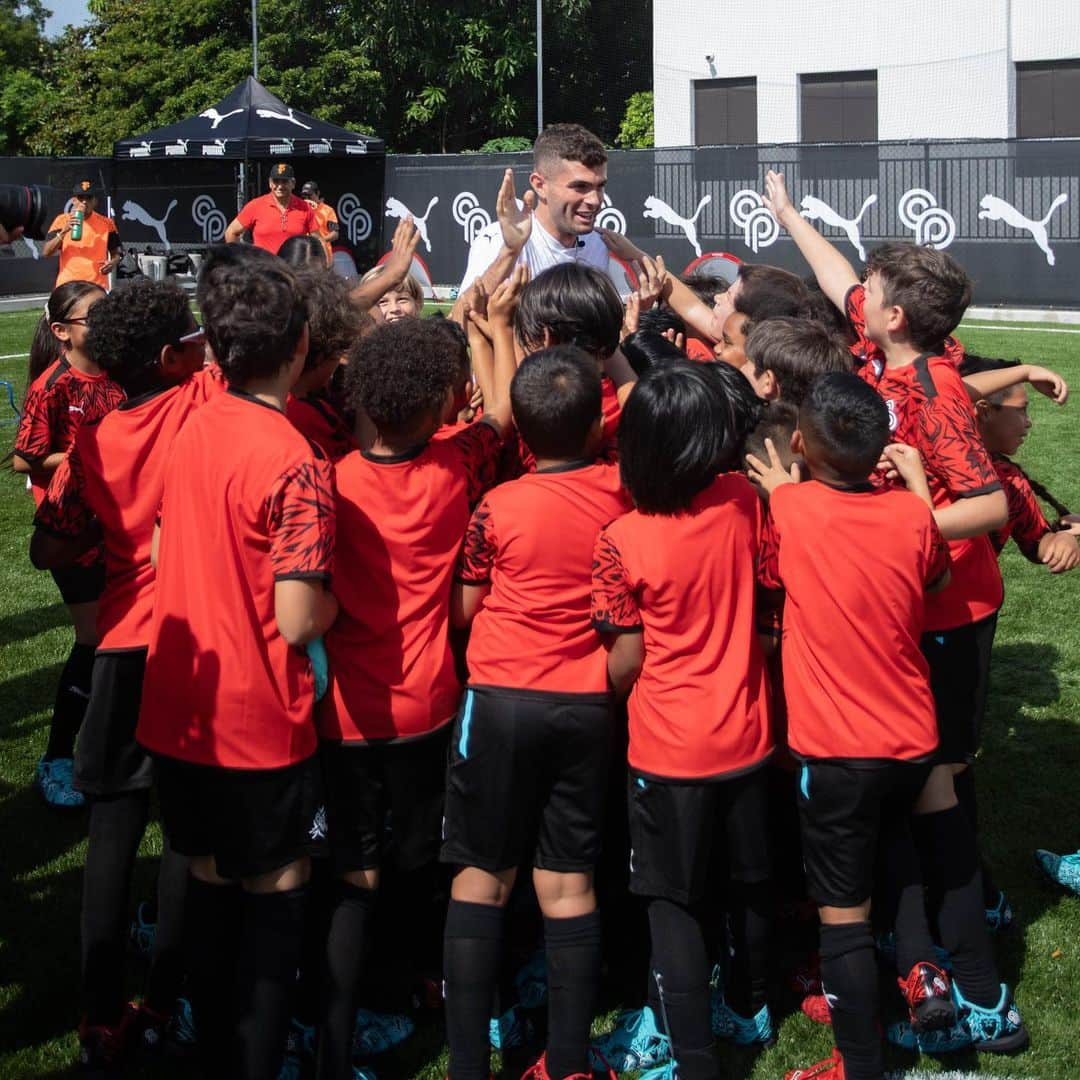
x=953 y=1075
x=15 y=356
x=1005 y=328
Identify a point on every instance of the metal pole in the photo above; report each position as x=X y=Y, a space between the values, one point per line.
x=255 y=38
x=539 y=66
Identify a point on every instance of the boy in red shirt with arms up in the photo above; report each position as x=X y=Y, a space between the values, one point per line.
x=244 y=555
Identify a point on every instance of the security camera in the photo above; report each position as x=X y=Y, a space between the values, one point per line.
x=709 y=58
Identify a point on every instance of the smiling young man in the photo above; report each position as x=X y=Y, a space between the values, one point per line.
x=557 y=222
x=273 y=218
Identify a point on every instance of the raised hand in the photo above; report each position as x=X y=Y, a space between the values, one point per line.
x=503 y=301
x=620 y=246
x=402 y=249
x=515 y=222
x=1049 y=383
x=651 y=280
x=776 y=196
x=770 y=476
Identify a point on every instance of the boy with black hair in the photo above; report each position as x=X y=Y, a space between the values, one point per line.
x=108 y=489
x=531 y=745
x=785 y=355
x=402 y=506
x=854 y=561
x=244 y=552
x=912 y=300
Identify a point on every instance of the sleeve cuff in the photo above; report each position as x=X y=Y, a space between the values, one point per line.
x=611 y=628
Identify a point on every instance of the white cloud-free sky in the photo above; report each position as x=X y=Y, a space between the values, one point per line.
x=64 y=13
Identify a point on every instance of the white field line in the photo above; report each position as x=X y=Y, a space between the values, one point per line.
x=1005 y=328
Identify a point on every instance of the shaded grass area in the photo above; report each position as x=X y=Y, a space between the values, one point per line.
x=1026 y=779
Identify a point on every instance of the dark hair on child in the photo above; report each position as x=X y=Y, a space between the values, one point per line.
x=705 y=286
x=576 y=304
x=973 y=363
x=306 y=250
x=456 y=333
x=824 y=311
x=682 y=424
x=46 y=347
x=796 y=351
x=128 y=328
x=768 y=292
x=252 y=308
x=929 y=285
x=334 y=322
x=778 y=422
x=847 y=422
x=401 y=373
x=568 y=142
x=555 y=397
x=644 y=349
x=661 y=318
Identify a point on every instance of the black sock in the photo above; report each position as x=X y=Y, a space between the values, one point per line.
x=471 y=953
x=348 y=942
x=311 y=982
x=272 y=931
x=212 y=928
x=681 y=971
x=750 y=910
x=72 y=696
x=116 y=827
x=850 y=982
x=573 y=949
x=167 y=964
x=950 y=865
x=900 y=877
x=964 y=783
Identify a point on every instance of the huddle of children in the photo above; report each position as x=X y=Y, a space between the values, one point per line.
x=296 y=552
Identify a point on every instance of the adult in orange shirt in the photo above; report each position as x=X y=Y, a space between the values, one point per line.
x=325 y=216
x=273 y=218
x=92 y=257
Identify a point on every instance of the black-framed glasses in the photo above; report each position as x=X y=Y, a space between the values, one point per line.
x=81 y=321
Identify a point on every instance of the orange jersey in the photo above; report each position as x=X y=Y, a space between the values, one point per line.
x=80 y=259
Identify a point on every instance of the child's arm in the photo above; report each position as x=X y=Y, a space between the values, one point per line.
x=402 y=249
x=768 y=477
x=974 y=516
x=495 y=382
x=618 y=370
x=472 y=577
x=834 y=273
x=904 y=462
x=64 y=526
x=981 y=384
x=626 y=657
x=516 y=226
x=1059 y=551
x=304 y=609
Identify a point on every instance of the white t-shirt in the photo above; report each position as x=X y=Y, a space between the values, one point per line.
x=541 y=252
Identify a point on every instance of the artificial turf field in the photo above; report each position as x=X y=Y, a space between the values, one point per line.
x=1029 y=796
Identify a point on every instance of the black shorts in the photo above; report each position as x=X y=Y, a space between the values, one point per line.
x=527 y=780
x=842 y=808
x=384 y=801
x=108 y=760
x=80 y=584
x=252 y=821
x=959 y=662
x=679 y=830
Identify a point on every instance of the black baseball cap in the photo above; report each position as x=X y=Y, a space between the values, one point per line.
x=282 y=171
x=310 y=188
x=85 y=189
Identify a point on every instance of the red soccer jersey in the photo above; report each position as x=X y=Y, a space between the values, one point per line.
x=532 y=540
x=854 y=564
x=930 y=410
x=248 y=502
x=115 y=473
x=699 y=709
x=58 y=401
x=316 y=418
x=271 y=225
x=400 y=524
x=1027 y=524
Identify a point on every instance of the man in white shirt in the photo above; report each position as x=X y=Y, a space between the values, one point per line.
x=568 y=180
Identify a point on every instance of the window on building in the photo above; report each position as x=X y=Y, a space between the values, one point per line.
x=725 y=111
x=839 y=107
x=1046 y=99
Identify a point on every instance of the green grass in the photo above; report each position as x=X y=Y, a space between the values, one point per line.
x=1028 y=794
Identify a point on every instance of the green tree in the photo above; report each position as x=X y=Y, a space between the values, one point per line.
x=24 y=58
x=636 y=129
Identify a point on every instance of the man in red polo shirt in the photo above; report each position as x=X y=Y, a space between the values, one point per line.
x=273 y=218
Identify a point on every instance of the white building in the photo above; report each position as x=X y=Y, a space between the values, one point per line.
x=745 y=71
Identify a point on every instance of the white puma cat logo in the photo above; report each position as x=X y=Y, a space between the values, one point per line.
x=134 y=212
x=269 y=114
x=814 y=209
x=397 y=209
x=995 y=209
x=657 y=208
x=215 y=117
x=142 y=150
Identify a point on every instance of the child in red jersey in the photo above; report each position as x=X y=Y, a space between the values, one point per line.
x=673 y=584
x=402 y=508
x=854 y=562
x=530 y=748
x=785 y=355
x=108 y=490
x=244 y=553
x=912 y=300
x=70 y=391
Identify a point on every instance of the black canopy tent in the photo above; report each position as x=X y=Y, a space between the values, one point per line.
x=178 y=186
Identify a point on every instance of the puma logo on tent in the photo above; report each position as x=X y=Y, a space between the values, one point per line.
x=142 y=150
x=217 y=149
x=134 y=212
x=177 y=149
x=270 y=114
x=657 y=208
x=215 y=117
x=815 y=210
x=397 y=209
x=995 y=209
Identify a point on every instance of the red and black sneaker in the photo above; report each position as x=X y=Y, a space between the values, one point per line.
x=102 y=1048
x=816 y=1007
x=538 y=1071
x=929 y=998
x=832 y=1068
